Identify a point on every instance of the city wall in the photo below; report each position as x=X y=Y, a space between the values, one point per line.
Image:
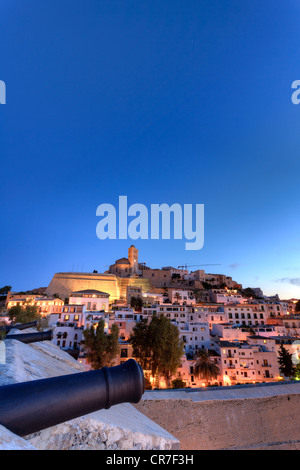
x=265 y=418
x=65 y=283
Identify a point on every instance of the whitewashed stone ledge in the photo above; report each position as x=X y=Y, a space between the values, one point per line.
x=122 y=427
x=9 y=441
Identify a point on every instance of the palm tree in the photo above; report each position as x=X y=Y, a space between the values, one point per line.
x=204 y=367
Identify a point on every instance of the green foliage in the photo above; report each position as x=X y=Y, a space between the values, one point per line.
x=101 y=349
x=4 y=290
x=176 y=276
x=136 y=303
x=20 y=314
x=141 y=344
x=178 y=383
x=285 y=360
x=207 y=285
x=249 y=329
x=156 y=346
x=26 y=314
x=297 y=372
x=204 y=367
x=248 y=292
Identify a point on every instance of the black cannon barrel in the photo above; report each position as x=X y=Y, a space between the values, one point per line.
x=29 y=407
x=32 y=337
x=20 y=326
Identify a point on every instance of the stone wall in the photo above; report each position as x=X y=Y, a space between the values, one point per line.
x=64 y=283
x=262 y=418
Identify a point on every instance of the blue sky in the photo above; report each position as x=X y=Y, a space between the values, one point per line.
x=162 y=101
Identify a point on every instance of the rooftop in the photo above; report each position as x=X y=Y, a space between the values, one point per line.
x=89 y=292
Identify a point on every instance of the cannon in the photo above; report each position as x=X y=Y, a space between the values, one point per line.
x=32 y=337
x=20 y=326
x=29 y=407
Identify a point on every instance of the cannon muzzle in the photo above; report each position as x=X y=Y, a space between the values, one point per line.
x=24 y=326
x=29 y=407
x=20 y=326
x=33 y=337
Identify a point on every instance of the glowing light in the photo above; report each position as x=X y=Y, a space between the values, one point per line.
x=226 y=380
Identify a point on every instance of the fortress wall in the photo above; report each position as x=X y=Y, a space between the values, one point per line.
x=65 y=283
x=270 y=422
x=123 y=282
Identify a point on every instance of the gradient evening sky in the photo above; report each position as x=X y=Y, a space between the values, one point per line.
x=162 y=101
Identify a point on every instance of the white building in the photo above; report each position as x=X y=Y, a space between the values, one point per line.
x=245 y=315
x=223 y=297
x=182 y=297
x=94 y=300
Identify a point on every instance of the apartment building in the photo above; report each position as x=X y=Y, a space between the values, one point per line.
x=245 y=315
x=245 y=363
x=46 y=305
x=182 y=296
x=225 y=297
x=94 y=300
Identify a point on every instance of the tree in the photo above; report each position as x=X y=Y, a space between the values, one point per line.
x=207 y=285
x=176 y=276
x=141 y=344
x=297 y=372
x=285 y=360
x=297 y=307
x=4 y=290
x=204 y=367
x=178 y=383
x=24 y=314
x=136 y=303
x=248 y=328
x=156 y=346
x=101 y=348
x=248 y=292
x=28 y=313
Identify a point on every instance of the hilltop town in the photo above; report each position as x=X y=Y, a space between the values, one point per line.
x=242 y=331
